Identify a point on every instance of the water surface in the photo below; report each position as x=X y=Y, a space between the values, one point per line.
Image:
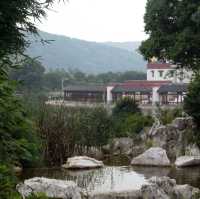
x=116 y=178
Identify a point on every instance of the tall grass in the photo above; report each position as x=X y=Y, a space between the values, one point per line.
x=66 y=131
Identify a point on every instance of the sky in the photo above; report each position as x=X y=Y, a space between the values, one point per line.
x=97 y=20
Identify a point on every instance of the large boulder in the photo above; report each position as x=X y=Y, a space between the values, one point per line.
x=187 y=192
x=185 y=161
x=159 y=188
x=51 y=187
x=181 y=123
x=154 y=156
x=82 y=162
x=169 y=138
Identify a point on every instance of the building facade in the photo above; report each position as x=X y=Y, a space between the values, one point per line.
x=164 y=85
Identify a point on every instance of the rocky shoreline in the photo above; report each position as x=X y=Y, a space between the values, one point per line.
x=161 y=146
x=156 y=188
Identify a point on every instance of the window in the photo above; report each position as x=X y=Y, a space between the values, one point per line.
x=152 y=72
x=161 y=73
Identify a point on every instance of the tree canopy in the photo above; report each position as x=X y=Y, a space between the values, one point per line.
x=17 y=19
x=173 y=27
x=18 y=141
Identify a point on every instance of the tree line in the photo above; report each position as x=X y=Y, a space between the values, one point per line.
x=33 y=76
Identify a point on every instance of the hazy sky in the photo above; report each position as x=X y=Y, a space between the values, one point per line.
x=98 y=20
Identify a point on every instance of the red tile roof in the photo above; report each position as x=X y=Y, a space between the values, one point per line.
x=158 y=66
x=144 y=83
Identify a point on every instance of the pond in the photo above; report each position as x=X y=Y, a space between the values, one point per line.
x=116 y=178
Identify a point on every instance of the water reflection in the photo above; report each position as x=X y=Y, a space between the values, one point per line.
x=190 y=175
x=117 y=178
x=99 y=180
x=187 y=176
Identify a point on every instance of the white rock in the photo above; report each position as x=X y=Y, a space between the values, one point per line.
x=157 y=188
x=186 y=191
x=192 y=150
x=51 y=187
x=185 y=161
x=154 y=156
x=82 y=162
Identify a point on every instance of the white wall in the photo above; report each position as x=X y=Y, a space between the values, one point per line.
x=155 y=95
x=165 y=76
x=109 y=94
x=179 y=76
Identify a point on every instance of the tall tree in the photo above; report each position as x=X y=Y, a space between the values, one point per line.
x=17 y=145
x=173 y=27
x=30 y=75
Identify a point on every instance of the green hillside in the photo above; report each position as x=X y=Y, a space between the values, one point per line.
x=90 y=57
x=131 y=46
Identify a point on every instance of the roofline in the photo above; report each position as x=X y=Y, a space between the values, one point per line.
x=158 y=65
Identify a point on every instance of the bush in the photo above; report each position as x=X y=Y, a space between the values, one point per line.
x=134 y=124
x=128 y=119
x=63 y=129
x=166 y=116
x=125 y=106
x=7 y=183
x=131 y=125
x=192 y=100
x=192 y=105
x=38 y=196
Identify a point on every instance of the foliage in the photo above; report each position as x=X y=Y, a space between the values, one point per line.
x=192 y=105
x=7 y=183
x=32 y=77
x=17 y=138
x=66 y=130
x=166 y=116
x=125 y=106
x=38 y=196
x=130 y=125
x=29 y=75
x=128 y=119
x=15 y=23
x=192 y=100
x=18 y=141
x=173 y=29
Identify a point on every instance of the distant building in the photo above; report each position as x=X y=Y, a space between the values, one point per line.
x=165 y=84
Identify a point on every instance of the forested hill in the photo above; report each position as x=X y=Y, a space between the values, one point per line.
x=90 y=57
x=130 y=46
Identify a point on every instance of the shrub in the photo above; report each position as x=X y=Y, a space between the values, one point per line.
x=38 y=196
x=7 y=183
x=131 y=125
x=125 y=106
x=63 y=129
x=166 y=116
x=192 y=100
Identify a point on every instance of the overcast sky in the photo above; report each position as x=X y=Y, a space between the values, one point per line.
x=97 y=20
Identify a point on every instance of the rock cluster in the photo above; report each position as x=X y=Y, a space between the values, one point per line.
x=157 y=188
x=51 y=187
x=185 y=161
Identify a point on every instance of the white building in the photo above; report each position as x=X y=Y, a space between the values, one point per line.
x=157 y=71
x=165 y=84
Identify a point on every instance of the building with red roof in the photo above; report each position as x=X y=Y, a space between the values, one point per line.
x=162 y=86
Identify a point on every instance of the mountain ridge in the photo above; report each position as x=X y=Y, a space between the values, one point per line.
x=90 y=57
